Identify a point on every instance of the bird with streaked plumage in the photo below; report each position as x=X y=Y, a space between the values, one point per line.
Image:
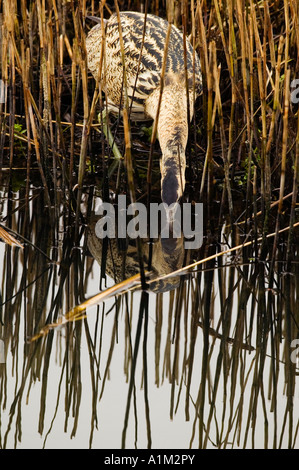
x=143 y=58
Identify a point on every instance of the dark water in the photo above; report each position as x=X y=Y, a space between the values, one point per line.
x=206 y=360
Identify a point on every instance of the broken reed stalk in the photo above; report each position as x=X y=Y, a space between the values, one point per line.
x=208 y=158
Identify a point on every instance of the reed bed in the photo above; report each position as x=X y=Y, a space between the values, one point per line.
x=243 y=164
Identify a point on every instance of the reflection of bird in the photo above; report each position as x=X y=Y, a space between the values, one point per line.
x=143 y=60
x=167 y=256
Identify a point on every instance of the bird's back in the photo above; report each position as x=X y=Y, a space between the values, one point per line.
x=144 y=53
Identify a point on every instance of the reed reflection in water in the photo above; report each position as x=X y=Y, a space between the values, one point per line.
x=209 y=363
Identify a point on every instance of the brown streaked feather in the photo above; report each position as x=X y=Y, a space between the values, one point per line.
x=144 y=46
x=151 y=60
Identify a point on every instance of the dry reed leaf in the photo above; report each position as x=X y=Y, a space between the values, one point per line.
x=9 y=239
